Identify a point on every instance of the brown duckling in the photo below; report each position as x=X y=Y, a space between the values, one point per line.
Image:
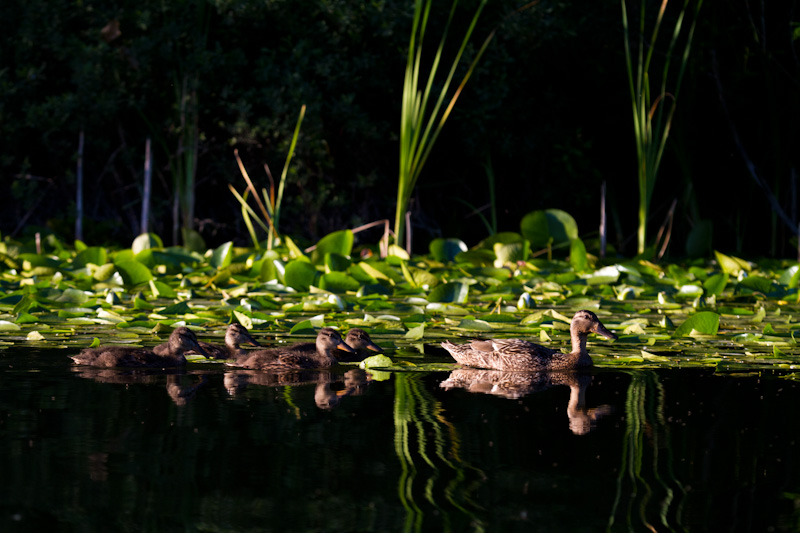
x=181 y=340
x=359 y=340
x=235 y=335
x=516 y=354
x=299 y=356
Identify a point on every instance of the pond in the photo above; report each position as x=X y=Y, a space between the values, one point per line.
x=212 y=448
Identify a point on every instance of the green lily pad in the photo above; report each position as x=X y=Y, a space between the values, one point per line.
x=133 y=273
x=299 y=275
x=706 y=323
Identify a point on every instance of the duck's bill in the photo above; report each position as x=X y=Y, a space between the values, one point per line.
x=199 y=349
x=251 y=341
x=374 y=347
x=601 y=330
x=345 y=347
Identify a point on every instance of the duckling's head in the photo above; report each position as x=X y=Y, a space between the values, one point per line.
x=183 y=339
x=358 y=339
x=237 y=334
x=328 y=340
x=585 y=322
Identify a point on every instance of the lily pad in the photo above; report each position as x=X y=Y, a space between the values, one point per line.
x=705 y=322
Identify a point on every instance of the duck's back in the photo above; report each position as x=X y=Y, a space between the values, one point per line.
x=503 y=354
x=121 y=356
x=299 y=356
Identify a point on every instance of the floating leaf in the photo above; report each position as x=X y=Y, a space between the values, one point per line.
x=5 y=325
x=452 y=292
x=416 y=333
x=338 y=242
x=446 y=250
x=338 y=282
x=133 y=273
x=146 y=241
x=551 y=226
x=179 y=308
x=222 y=256
x=299 y=275
x=35 y=336
x=732 y=265
x=94 y=255
x=243 y=319
x=705 y=322
x=578 y=258
x=376 y=361
x=193 y=241
x=715 y=284
x=605 y=276
x=511 y=253
x=475 y=325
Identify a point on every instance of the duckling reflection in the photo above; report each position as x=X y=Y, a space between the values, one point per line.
x=179 y=393
x=518 y=384
x=327 y=392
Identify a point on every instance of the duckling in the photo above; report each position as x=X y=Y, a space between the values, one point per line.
x=299 y=356
x=516 y=354
x=181 y=340
x=359 y=340
x=235 y=335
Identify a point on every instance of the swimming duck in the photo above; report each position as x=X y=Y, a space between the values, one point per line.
x=516 y=354
x=235 y=335
x=181 y=340
x=300 y=356
x=359 y=340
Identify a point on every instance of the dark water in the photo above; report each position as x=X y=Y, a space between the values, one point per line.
x=210 y=450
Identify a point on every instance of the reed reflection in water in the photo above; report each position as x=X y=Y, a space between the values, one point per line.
x=646 y=487
x=428 y=449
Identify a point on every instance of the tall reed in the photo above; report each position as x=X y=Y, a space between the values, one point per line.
x=420 y=124
x=652 y=117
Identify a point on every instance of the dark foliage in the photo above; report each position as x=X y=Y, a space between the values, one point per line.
x=548 y=108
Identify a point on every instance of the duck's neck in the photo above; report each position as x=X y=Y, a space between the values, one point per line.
x=579 y=352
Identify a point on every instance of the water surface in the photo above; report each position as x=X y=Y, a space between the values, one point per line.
x=214 y=449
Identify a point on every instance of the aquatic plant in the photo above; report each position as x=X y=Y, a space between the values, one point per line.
x=653 y=113
x=420 y=125
x=270 y=206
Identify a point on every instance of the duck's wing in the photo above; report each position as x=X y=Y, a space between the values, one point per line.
x=516 y=347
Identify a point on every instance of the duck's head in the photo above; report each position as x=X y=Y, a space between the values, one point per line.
x=585 y=322
x=359 y=340
x=183 y=339
x=328 y=340
x=237 y=334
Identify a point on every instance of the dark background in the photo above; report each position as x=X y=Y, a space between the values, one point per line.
x=548 y=109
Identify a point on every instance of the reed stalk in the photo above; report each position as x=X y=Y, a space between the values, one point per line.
x=652 y=117
x=420 y=124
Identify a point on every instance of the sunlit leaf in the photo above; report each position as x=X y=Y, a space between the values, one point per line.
x=604 y=276
x=222 y=256
x=415 y=333
x=338 y=282
x=299 y=275
x=511 y=253
x=146 y=241
x=705 y=322
x=133 y=273
x=243 y=319
x=338 y=242
x=5 y=325
x=376 y=361
x=475 y=325
x=732 y=265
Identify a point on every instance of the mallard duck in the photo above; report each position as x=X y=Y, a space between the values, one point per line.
x=235 y=335
x=516 y=354
x=359 y=340
x=181 y=340
x=300 y=356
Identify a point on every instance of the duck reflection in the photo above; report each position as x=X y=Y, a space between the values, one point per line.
x=177 y=390
x=518 y=384
x=330 y=387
